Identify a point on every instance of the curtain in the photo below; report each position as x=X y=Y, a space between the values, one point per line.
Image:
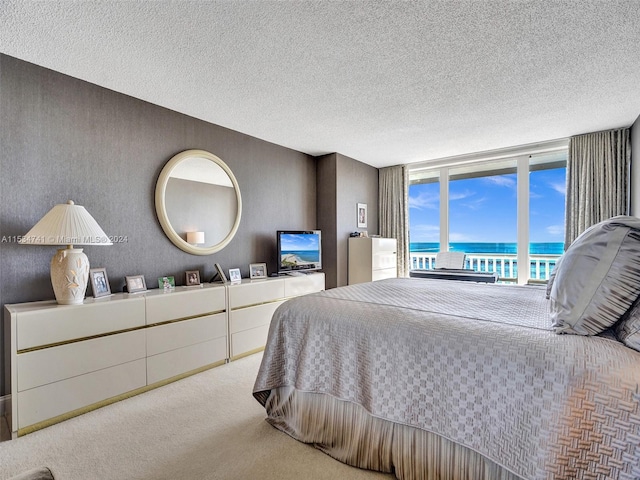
x=597 y=180
x=393 y=207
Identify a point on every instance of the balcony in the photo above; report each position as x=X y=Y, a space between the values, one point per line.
x=505 y=265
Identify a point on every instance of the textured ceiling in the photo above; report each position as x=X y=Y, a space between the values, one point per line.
x=382 y=82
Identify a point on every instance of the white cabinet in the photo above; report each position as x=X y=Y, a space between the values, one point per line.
x=372 y=259
x=252 y=304
x=68 y=359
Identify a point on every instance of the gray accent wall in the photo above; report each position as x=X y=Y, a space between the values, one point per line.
x=65 y=139
x=343 y=183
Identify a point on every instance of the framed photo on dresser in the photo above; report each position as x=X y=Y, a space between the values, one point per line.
x=258 y=270
x=99 y=282
x=192 y=278
x=234 y=275
x=219 y=273
x=136 y=283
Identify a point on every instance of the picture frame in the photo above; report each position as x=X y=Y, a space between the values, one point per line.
x=361 y=212
x=220 y=273
x=166 y=282
x=135 y=283
x=192 y=278
x=234 y=275
x=258 y=270
x=99 y=282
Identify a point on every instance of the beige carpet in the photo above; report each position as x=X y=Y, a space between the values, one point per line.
x=207 y=426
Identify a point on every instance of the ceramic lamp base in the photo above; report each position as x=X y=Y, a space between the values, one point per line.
x=69 y=275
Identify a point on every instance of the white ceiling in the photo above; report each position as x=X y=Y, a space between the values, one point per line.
x=382 y=82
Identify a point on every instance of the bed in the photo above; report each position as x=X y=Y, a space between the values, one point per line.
x=440 y=379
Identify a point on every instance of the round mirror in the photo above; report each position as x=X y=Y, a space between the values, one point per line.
x=198 y=202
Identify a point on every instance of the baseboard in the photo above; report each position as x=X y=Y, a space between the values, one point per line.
x=5 y=404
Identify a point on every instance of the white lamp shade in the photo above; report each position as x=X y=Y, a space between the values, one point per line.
x=195 y=238
x=66 y=224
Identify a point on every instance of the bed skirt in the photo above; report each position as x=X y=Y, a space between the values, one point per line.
x=348 y=433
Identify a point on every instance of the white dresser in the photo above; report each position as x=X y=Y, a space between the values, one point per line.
x=69 y=359
x=252 y=303
x=372 y=259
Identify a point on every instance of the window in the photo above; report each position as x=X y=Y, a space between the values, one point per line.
x=547 y=196
x=424 y=220
x=502 y=213
x=483 y=216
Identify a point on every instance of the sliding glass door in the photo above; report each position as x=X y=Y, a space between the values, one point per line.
x=507 y=215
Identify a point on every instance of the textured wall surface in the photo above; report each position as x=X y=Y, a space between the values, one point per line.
x=326 y=214
x=62 y=138
x=356 y=183
x=343 y=183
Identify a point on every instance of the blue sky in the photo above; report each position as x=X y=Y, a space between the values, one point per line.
x=484 y=209
x=299 y=242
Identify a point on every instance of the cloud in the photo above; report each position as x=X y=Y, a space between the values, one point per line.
x=470 y=203
x=425 y=233
x=475 y=204
x=561 y=188
x=533 y=194
x=501 y=181
x=459 y=237
x=460 y=195
x=424 y=200
x=555 y=229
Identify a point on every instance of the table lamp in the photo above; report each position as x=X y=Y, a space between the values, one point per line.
x=68 y=224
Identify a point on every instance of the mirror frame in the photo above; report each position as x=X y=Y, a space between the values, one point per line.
x=161 y=209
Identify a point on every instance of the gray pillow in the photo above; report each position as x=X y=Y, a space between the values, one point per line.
x=598 y=278
x=628 y=329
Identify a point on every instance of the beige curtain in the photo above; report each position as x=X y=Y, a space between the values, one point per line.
x=394 y=211
x=597 y=180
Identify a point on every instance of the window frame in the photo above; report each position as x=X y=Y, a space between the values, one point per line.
x=527 y=159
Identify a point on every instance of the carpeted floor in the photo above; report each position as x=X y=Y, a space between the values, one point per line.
x=4 y=430
x=207 y=426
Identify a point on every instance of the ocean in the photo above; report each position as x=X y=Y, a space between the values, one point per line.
x=306 y=256
x=547 y=248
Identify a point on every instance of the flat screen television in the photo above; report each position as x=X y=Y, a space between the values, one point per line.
x=299 y=250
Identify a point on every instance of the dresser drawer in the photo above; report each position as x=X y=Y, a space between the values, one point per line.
x=53 y=364
x=184 y=303
x=383 y=261
x=384 y=245
x=48 y=401
x=382 y=274
x=59 y=323
x=255 y=292
x=248 y=340
x=251 y=317
x=171 y=336
x=295 y=286
x=176 y=362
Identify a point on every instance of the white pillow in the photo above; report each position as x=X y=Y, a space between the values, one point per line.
x=598 y=278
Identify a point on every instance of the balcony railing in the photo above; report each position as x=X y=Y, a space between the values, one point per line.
x=505 y=265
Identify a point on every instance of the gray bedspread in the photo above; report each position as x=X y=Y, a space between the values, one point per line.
x=477 y=364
